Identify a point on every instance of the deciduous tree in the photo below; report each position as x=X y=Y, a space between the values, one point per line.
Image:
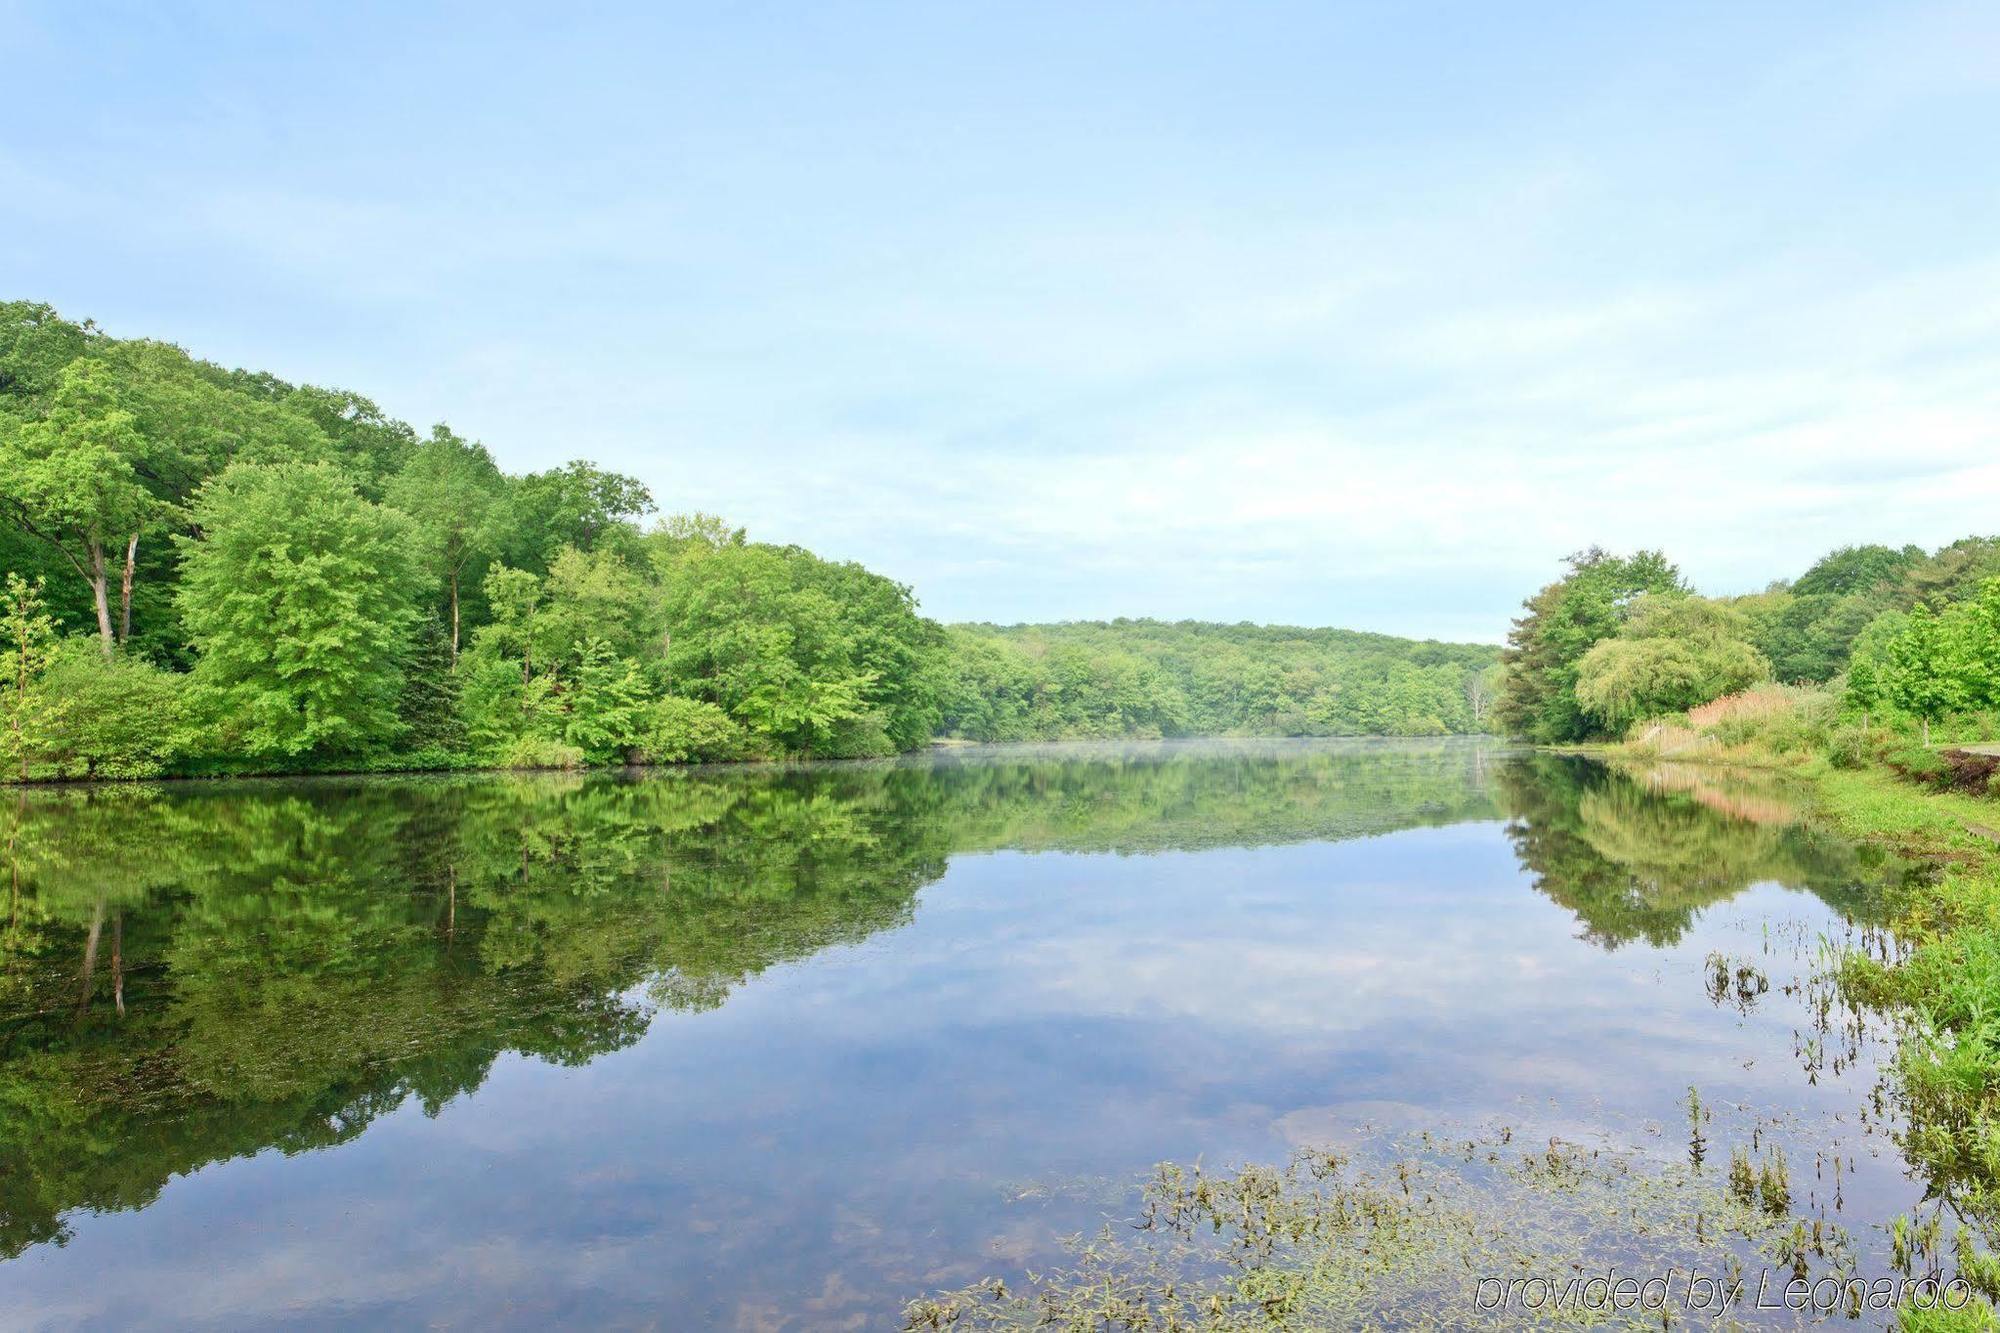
x=299 y=596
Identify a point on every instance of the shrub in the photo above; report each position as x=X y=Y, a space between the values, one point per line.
x=1847 y=747
x=122 y=717
x=538 y=752
x=679 y=731
x=863 y=737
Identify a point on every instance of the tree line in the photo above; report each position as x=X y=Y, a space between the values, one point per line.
x=1192 y=678
x=1889 y=635
x=210 y=570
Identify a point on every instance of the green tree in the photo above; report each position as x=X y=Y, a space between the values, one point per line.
x=604 y=704
x=1852 y=569
x=1671 y=654
x=1929 y=667
x=457 y=497
x=122 y=718
x=27 y=644
x=1564 y=621
x=578 y=504
x=299 y=597
x=812 y=657
x=429 y=705
x=70 y=478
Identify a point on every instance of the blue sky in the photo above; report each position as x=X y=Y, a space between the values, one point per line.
x=1330 y=314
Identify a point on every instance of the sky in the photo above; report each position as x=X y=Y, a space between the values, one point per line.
x=1348 y=314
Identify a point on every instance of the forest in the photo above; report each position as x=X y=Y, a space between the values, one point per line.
x=1868 y=644
x=211 y=571
x=1153 y=678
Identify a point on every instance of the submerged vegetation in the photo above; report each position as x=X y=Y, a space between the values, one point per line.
x=210 y=571
x=1471 y=1231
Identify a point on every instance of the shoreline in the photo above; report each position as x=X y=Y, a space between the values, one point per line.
x=944 y=745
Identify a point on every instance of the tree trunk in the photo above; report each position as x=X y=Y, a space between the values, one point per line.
x=1927 y=733
x=90 y=959
x=101 y=595
x=125 y=590
x=454 y=620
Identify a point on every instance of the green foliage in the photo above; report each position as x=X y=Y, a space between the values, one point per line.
x=122 y=718
x=1564 y=621
x=458 y=500
x=1809 y=637
x=1852 y=569
x=1152 y=678
x=428 y=707
x=577 y=505
x=1671 y=654
x=1917 y=638
x=299 y=599
x=31 y=707
x=604 y=704
x=70 y=477
x=679 y=731
x=798 y=649
x=1938 y=663
x=538 y=752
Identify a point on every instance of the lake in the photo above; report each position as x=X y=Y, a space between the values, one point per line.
x=787 y=1047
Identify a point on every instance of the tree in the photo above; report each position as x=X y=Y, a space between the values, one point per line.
x=299 y=597
x=812 y=656
x=27 y=644
x=1852 y=569
x=603 y=704
x=578 y=504
x=429 y=705
x=1481 y=689
x=1563 y=622
x=35 y=344
x=457 y=497
x=121 y=719
x=1928 y=667
x=1810 y=637
x=1866 y=688
x=597 y=594
x=1671 y=654
x=69 y=478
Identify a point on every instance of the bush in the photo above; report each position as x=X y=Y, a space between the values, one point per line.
x=537 y=752
x=863 y=737
x=680 y=731
x=121 y=718
x=1847 y=747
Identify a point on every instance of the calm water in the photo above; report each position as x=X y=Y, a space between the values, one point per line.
x=783 y=1048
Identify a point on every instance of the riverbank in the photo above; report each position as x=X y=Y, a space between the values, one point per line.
x=1941 y=981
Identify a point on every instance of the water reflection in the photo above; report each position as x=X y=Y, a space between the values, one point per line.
x=192 y=974
x=1636 y=857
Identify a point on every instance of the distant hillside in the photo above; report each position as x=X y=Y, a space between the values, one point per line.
x=1195 y=678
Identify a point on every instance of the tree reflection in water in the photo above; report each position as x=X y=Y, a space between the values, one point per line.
x=190 y=973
